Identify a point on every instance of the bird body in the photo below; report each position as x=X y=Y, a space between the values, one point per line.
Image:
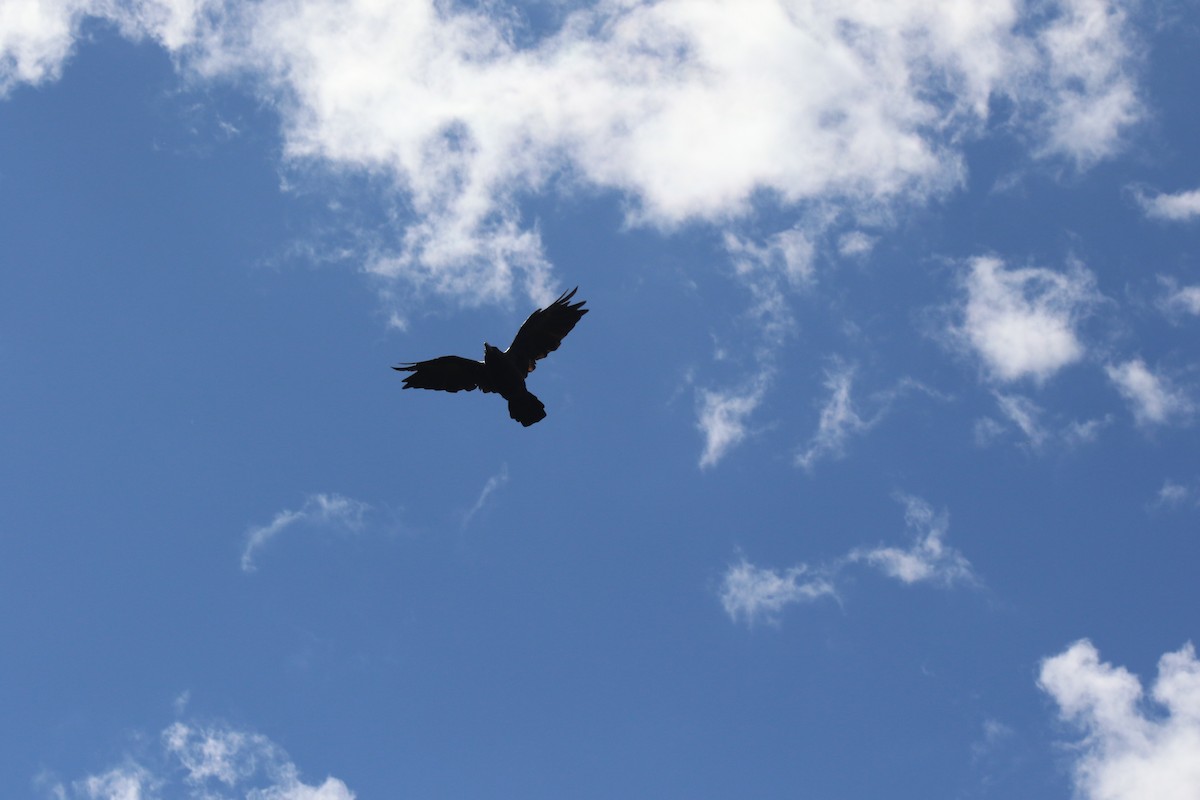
x=503 y=372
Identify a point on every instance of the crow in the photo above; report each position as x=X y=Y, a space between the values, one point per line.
x=503 y=371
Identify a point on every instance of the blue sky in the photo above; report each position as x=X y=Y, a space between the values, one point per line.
x=872 y=473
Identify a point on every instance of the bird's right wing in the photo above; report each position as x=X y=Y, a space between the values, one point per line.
x=543 y=332
x=446 y=374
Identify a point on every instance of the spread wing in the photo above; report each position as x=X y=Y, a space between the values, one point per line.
x=545 y=329
x=447 y=374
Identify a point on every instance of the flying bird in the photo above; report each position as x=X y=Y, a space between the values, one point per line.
x=503 y=371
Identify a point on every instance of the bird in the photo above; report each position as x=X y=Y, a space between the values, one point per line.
x=503 y=372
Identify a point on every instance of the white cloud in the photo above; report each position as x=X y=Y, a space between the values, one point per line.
x=1180 y=299
x=756 y=594
x=493 y=483
x=206 y=763
x=987 y=430
x=1023 y=413
x=129 y=782
x=855 y=104
x=36 y=36
x=993 y=739
x=1179 y=207
x=751 y=594
x=1026 y=416
x=1092 y=97
x=840 y=419
x=1021 y=322
x=321 y=510
x=1152 y=397
x=1172 y=494
x=928 y=558
x=855 y=243
x=723 y=415
x=1128 y=753
x=789 y=253
x=768 y=270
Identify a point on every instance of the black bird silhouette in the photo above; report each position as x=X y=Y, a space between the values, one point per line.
x=503 y=371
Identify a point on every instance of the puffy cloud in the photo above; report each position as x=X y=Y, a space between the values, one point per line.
x=1179 y=207
x=1127 y=753
x=320 y=510
x=750 y=593
x=1153 y=399
x=1092 y=96
x=1021 y=322
x=207 y=763
x=36 y=36
x=858 y=104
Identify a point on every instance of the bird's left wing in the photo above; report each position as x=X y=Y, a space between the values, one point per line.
x=545 y=329
x=447 y=374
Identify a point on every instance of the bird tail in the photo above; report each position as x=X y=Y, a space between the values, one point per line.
x=526 y=409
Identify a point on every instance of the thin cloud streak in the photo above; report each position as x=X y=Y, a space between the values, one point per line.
x=493 y=483
x=1026 y=416
x=330 y=511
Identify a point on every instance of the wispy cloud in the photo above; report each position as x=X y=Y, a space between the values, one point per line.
x=722 y=417
x=753 y=594
x=328 y=511
x=927 y=558
x=1179 y=299
x=493 y=483
x=1021 y=322
x=856 y=104
x=1153 y=399
x=1178 y=207
x=757 y=594
x=1028 y=418
x=855 y=244
x=840 y=418
x=1174 y=494
x=211 y=762
x=1129 y=752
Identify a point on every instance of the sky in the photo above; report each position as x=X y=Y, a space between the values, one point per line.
x=872 y=472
